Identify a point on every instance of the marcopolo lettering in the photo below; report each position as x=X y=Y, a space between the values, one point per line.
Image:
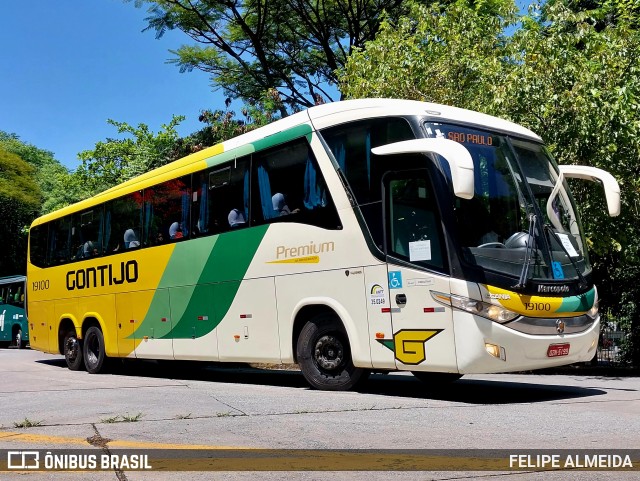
x=106 y=275
x=562 y=289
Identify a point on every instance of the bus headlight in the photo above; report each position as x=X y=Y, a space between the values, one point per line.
x=490 y=311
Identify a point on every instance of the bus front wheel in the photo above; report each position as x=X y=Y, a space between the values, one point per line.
x=324 y=356
x=94 y=351
x=73 y=351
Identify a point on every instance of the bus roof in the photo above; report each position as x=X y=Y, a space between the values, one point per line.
x=10 y=279
x=335 y=113
x=315 y=118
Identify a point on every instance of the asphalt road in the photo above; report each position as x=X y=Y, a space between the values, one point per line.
x=146 y=405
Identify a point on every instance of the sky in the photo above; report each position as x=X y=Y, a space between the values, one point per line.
x=66 y=66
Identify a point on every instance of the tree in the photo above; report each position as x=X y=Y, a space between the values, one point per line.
x=116 y=160
x=19 y=204
x=55 y=181
x=222 y=125
x=451 y=54
x=290 y=46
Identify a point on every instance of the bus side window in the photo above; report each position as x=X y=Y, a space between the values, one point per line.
x=60 y=250
x=86 y=233
x=38 y=245
x=123 y=223
x=351 y=145
x=414 y=224
x=166 y=209
x=17 y=296
x=287 y=186
x=221 y=198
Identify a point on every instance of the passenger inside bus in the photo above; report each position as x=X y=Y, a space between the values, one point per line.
x=236 y=218
x=130 y=239
x=280 y=205
x=175 y=231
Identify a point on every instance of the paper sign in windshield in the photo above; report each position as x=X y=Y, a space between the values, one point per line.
x=566 y=243
x=420 y=250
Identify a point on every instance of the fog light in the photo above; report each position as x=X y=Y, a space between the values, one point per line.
x=496 y=351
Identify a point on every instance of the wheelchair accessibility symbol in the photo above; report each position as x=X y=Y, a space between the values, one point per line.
x=395 y=280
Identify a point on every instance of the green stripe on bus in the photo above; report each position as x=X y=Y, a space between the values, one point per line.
x=207 y=293
x=258 y=145
x=580 y=303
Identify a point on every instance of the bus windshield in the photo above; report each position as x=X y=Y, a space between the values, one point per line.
x=507 y=224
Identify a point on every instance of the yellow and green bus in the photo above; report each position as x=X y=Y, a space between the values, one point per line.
x=373 y=234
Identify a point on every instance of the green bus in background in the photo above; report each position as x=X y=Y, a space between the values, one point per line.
x=14 y=329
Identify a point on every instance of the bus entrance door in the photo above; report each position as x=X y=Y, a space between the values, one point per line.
x=423 y=338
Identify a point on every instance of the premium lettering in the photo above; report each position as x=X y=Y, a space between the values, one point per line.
x=101 y=276
x=283 y=252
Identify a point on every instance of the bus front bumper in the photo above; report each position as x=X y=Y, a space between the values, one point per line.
x=484 y=346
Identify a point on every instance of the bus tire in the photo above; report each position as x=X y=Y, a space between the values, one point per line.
x=94 y=351
x=324 y=355
x=436 y=379
x=18 y=339
x=72 y=347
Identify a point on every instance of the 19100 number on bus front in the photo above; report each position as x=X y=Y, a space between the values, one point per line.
x=537 y=306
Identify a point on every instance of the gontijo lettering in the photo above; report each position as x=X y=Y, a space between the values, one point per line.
x=108 y=274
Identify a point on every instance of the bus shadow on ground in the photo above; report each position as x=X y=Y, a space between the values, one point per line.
x=470 y=391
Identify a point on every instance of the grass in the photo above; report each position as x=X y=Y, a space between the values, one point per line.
x=183 y=416
x=27 y=423
x=123 y=418
x=131 y=418
x=114 y=419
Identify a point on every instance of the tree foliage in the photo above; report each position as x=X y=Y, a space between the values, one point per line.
x=116 y=160
x=58 y=186
x=19 y=204
x=253 y=46
x=448 y=54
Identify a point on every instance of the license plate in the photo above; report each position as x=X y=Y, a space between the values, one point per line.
x=556 y=350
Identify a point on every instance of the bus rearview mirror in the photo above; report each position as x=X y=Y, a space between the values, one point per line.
x=610 y=184
x=457 y=156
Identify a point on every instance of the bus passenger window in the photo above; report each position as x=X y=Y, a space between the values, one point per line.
x=351 y=145
x=38 y=237
x=287 y=186
x=167 y=211
x=121 y=216
x=60 y=241
x=221 y=198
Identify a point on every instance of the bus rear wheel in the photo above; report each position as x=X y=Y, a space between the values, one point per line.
x=94 y=351
x=324 y=356
x=72 y=347
x=18 y=339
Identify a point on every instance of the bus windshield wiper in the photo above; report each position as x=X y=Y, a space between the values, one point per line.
x=524 y=274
